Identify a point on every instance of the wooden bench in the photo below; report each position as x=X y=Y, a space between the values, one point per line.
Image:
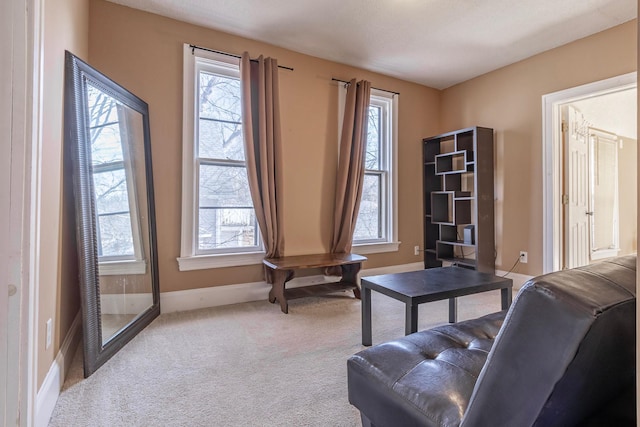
x=283 y=269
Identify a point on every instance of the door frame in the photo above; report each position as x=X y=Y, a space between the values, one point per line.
x=23 y=47
x=552 y=159
x=8 y=320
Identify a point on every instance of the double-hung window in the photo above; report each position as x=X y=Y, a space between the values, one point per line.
x=119 y=241
x=376 y=225
x=219 y=226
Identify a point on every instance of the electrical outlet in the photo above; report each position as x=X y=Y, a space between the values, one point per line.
x=416 y=250
x=49 y=327
x=524 y=257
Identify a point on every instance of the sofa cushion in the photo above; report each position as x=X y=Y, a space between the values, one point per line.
x=425 y=378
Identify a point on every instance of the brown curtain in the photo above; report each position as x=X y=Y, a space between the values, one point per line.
x=353 y=141
x=263 y=147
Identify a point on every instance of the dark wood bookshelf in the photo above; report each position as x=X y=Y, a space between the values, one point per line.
x=458 y=197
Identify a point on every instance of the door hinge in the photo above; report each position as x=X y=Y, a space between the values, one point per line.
x=565 y=126
x=565 y=199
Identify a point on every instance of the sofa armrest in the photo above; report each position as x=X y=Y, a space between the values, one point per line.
x=567 y=346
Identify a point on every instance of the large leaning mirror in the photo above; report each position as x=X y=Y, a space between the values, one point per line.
x=107 y=135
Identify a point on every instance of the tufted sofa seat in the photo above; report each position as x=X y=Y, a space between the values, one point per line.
x=563 y=355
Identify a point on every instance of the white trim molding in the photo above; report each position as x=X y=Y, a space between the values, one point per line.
x=552 y=159
x=518 y=279
x=389 y=104
x=188 y=154
x=194 y=299
x=192 y=258
x=31 y=14
x=52 y=384
x=201 y=262
x=375 y=248
x=117 y=268
x=392 y=269
x=125 y=303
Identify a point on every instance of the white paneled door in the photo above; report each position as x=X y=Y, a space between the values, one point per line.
x=576 y=188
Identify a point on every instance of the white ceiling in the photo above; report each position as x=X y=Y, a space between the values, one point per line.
x=437 y=43
x=614 y=112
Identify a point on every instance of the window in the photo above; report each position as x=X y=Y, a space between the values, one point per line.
x=117 y=224
x=376 y=226
x=219 y=223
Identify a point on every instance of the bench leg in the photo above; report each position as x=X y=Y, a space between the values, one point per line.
x=350 y=276
x=280 y=277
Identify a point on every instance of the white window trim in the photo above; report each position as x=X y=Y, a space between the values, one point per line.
x=117 y=268
x=188 y=259
x=113 y=265
x=391 y=244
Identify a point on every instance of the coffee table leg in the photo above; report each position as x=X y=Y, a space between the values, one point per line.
x=365 y=294
x=505 y=294
x=453 y=310
x=411 y=319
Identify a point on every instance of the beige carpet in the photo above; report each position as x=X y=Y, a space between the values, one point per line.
x=242 y=365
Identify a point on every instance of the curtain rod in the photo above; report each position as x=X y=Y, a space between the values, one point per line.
x=193 y=47
x=376 y=88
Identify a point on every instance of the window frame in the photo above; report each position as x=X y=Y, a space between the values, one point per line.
x=388 y=102
x=190 y=259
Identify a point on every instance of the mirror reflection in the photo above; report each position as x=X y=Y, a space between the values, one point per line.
x=108 y=141
x=116 y=133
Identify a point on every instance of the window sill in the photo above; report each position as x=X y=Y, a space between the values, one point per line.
x=120 y=268
x=604 y=253
x=374 y=248
x=203 y=262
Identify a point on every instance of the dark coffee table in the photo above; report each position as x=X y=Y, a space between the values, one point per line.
x=433 y=284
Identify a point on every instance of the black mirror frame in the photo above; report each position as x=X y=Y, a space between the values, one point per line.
x=79 y=148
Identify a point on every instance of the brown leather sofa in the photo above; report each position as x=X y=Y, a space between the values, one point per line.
x=563 y=355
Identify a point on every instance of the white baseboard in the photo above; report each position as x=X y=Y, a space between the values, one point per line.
x=52 y=384
x=125 y=303
x=403 y=268
x=193 y=299
x=257 y=291
x=518 y=279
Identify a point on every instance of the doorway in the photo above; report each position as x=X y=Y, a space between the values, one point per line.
x=20 y=72
x=603 y=117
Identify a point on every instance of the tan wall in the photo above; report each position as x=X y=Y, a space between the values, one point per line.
x=509 y=100
x=65 y=27
x=143 y=52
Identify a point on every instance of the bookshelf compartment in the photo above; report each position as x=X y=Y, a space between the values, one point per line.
x=455 y=162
